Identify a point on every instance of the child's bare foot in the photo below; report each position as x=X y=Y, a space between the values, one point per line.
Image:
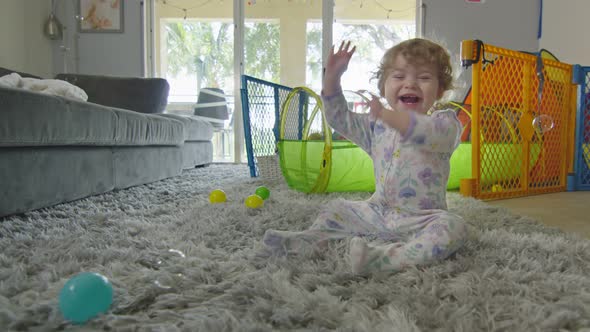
x=358 y=255
x=365 y=258
x=285 y=242
x=275 y=242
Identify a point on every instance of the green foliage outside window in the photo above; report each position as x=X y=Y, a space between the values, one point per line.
x=205 y=49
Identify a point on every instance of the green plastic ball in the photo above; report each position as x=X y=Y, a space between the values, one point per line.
x=254 y=201
x=263 y=192
x=85 y=296
x=217 y=196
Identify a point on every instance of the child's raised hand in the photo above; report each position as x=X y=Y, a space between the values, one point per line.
x=338 y=61
x=375 y=107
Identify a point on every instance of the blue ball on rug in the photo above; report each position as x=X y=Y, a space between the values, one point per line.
x=85 y=296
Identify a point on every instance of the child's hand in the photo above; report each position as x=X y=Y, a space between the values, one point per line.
x=336 y=66
x=338 y=62
x=375 y=107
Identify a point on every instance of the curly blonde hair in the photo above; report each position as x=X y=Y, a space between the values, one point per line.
x=417 y=51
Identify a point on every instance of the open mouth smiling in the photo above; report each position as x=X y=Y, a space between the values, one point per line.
x=409 y=99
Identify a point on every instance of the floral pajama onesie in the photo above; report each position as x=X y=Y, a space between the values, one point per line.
x=406 y=219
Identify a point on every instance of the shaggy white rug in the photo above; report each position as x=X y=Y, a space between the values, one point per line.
x=513 y=275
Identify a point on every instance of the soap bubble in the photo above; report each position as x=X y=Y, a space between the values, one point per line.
x=168 y=280
x=170 y=266
x=176 y=252
x=543 y=123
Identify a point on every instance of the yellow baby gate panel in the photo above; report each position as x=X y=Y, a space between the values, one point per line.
x=523 y=122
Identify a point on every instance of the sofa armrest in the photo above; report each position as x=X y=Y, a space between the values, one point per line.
x=145 y=95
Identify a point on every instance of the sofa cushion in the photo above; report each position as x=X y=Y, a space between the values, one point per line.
x=147 y=129
x=194 y=129
x=32 y=119
x=144 y=95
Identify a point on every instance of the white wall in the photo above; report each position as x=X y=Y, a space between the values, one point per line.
x=504 y=23
x=114 y=54
x=564 y=31
x=24 y=47
x=510 y=24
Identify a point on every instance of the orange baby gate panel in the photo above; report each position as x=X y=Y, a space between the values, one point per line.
x=523 y=109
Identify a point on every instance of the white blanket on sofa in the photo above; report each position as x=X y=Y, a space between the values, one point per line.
x=47 y=86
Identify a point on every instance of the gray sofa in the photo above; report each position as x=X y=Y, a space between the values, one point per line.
x=54 y=149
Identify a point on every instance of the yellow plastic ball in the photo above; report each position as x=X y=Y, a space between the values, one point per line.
x=315 y=137
x=497 y=188
x=254 y=201
x=217 y=196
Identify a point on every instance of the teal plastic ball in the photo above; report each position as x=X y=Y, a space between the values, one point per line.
x=85 y=296
x=263 y=192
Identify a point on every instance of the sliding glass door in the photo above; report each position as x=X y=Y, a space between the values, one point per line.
x=194 y=45
x=281 y=41
x=197 y=53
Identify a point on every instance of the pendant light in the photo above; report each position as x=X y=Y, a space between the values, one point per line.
x=53 y=28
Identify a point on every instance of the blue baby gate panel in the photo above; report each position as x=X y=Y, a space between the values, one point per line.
x=582 y=145
x=262 y=102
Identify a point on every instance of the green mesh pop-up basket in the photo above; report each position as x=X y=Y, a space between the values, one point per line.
x=317 y=163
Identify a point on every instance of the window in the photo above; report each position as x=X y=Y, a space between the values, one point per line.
x=197 y=54
x=371 y=41
x=194 y=47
